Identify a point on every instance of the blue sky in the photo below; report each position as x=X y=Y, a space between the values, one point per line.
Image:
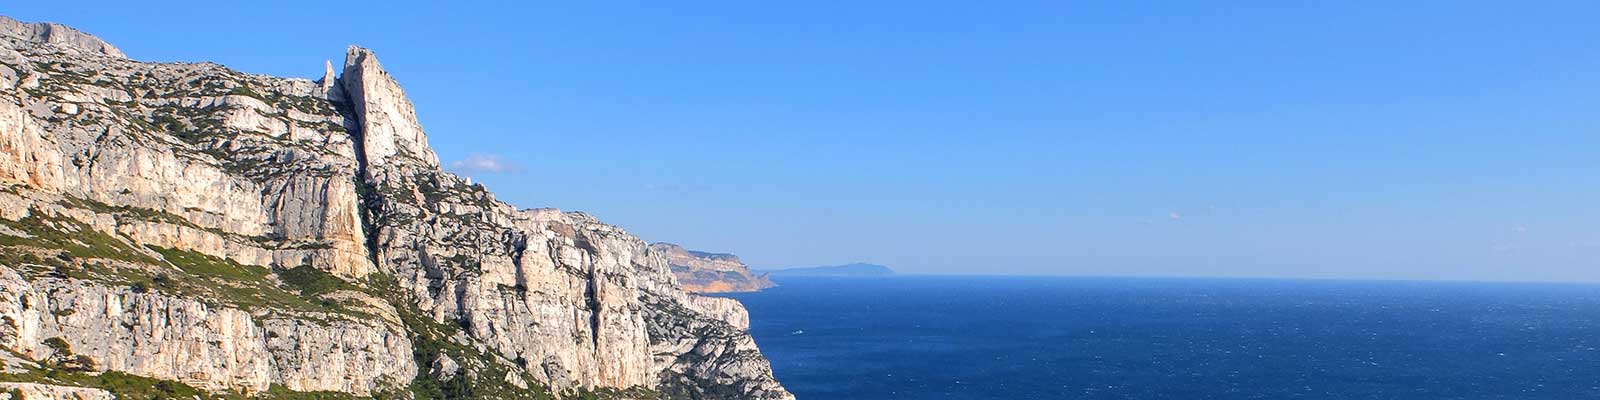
x=1423 y=140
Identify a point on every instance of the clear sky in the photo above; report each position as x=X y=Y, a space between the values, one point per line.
x=1383 y=139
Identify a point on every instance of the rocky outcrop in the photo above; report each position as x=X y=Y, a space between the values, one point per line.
x=389 y=125
x=188 y=340
x=702 y=272
x=151 y=335
x=707 y=358
x=561 y=293
x=65 y=36
x=338 y=355
x=236 y=232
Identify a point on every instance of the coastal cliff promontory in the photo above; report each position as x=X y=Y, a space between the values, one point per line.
x=703 y=272
x=186 y=230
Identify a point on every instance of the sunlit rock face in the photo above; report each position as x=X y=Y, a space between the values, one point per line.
x=226 y=231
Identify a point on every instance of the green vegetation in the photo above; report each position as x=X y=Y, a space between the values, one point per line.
x=133 y=387
x=77 y=238
x=61 y=357
x=431 y=192
x=277 y=391
x=129 y=212
x=638 y=393
x=206 y=266
x=305 y=104
x=313 y=282
x=56 y=78
x=243 y=90
x=126 y=213
x=250 y=287
x=65 y=248
x=58 y=345
x=123 y=385
x=430 y=339
x=201 y=123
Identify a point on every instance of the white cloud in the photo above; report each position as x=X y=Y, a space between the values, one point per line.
x=1174 y=215
x=479 y=163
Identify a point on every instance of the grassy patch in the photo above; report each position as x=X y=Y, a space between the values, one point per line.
x=247 y=92
x=206 y=266
x=77 y=238
x=128 y=386
x=312 y=282
x=251 y=287
x=128 y=212
x=277 y=391
x=123 y=385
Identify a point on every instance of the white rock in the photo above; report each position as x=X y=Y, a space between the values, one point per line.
x=35 y=391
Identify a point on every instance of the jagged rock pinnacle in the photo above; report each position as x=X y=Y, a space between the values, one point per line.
x=327 y=75
x=328 y=86
x=388 y=120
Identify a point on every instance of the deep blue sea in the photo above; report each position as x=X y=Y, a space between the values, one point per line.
x=1127 y=338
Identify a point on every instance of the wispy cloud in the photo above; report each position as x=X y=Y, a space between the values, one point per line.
x=1171 y=216
x=1585 y=244
x=480 y=163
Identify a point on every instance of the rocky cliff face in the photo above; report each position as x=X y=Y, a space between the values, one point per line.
x=702 y=272
x=237 y=233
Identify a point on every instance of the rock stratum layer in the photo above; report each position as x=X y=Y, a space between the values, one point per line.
x=702 y=272
x=193 y=230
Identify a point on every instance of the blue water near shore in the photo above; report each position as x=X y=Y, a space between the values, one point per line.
x=1115 y=338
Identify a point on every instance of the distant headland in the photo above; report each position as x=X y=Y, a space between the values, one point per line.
x=703 y=272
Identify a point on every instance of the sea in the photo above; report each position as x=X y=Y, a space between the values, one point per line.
x=989 y=337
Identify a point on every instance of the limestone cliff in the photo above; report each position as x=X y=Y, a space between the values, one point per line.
x=203 y=230
x=702 y=272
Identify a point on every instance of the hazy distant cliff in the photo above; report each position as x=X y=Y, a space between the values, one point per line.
x=703 y=272
x=185 y=227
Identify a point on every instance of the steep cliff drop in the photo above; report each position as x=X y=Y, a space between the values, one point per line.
x=184 y=229
x=701 y=272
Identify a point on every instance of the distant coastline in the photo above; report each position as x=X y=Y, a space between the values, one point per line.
x=852 y=269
